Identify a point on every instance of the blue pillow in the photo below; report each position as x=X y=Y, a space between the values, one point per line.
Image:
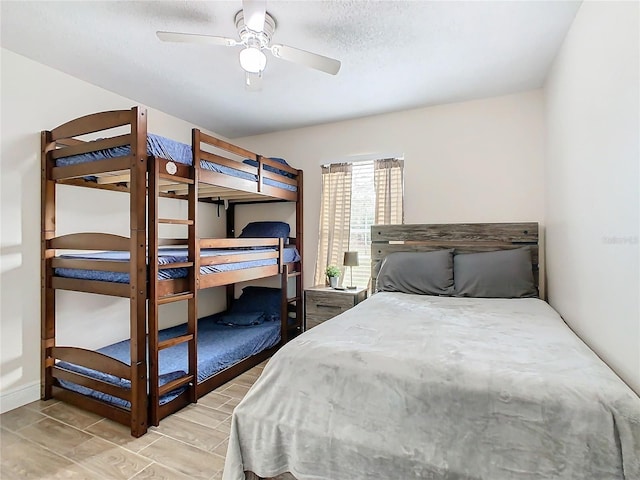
x=258 y=299
x=269 y=168
x=266 y=230
x=242 y=319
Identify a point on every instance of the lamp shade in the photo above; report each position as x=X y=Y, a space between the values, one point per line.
x=350 y=259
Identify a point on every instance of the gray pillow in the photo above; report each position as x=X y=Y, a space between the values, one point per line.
x=500 y=274
x=424 y=273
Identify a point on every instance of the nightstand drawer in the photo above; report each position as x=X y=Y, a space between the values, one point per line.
x=330 y=299
x=320 y=312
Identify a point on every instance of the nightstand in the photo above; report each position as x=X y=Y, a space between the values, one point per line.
x=322 y=303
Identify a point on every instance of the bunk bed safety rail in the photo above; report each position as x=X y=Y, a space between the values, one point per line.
x=238 y=242
x=220 y=160
x=277 y=180
x=90 y=242
x=279 y=166
x=245 y=257
x=91 y=360
x=221 y=144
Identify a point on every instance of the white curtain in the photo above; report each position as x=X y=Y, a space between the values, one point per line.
x=335 y=218
x=389 y=184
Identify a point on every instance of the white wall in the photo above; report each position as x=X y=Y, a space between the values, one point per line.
x=592 y=177
x=478 y=161
x=35 y=98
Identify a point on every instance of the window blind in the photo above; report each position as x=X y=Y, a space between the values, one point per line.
x=362 y=217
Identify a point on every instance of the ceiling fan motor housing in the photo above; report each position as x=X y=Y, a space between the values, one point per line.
x=256 y=39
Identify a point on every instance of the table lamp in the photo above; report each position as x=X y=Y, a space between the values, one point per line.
x=351 y=260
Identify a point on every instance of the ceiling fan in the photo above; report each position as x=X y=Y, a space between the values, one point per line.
x=255 y=29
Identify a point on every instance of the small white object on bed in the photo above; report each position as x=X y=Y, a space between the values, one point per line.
x=413 y=386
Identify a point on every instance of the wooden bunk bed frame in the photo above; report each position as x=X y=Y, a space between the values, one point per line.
x=144 y=176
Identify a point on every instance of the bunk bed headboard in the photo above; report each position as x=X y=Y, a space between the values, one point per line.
x=464 y=237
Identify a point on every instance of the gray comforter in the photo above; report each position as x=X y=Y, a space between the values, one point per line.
x=406 y=386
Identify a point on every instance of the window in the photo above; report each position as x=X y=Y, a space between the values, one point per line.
x=354 y=197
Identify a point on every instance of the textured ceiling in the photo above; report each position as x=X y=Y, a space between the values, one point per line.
x=395 y=55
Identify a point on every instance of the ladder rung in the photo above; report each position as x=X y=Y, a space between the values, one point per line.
x=293 y=299
x=175 y=179
x=293 y=274
x=175 y=221
x=175 y=298
x=177 y=383
x=167 y=266
x=175 y=341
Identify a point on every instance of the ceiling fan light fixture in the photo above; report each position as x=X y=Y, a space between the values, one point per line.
x=252 y=60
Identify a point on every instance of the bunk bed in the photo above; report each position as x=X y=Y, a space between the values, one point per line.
x=146 y=377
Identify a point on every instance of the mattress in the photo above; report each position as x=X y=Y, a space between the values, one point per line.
x=172 y=255
x=414 y=387
x=168 y=149
x=219 y=347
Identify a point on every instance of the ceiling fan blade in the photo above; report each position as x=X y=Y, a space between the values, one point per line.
x=254 y=11
x=253 y=81
x=313 y=60
x=196 y=38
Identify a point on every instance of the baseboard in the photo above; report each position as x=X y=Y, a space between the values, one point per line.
x=19 y=397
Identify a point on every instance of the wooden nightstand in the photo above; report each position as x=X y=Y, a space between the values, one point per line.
x=322 y=303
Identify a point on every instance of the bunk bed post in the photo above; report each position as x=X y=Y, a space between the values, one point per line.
x=231 y=220
x=231 y=233
x=300 y=246
x=284 y=302
x=194 y=257
x=260 y=172
x=48 y=294
x=138 y=271
x=154 y=367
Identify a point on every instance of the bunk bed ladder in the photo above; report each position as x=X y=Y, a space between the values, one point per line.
x=299 y=306
x=285 y=307
x=162 y=170
x=293 y=305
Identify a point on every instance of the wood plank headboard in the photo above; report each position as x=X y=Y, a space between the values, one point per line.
x=464 y=237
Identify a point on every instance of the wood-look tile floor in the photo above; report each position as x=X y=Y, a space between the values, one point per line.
x=50 y=440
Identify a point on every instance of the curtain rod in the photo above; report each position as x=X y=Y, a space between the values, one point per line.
x=363 y=158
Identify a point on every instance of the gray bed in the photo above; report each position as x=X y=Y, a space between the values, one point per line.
x=407 y=386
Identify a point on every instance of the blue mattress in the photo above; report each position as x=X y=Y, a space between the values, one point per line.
x=219 y=347
x=168 y=149
x=171 y=255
